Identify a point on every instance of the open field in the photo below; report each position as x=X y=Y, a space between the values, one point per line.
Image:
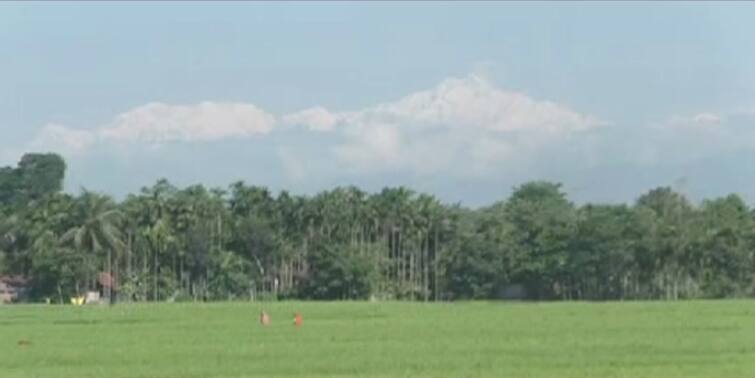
x=629 y=339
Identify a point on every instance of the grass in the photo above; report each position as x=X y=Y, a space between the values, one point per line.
x=618 y=339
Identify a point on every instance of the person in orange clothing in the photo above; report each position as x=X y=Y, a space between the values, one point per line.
x=298 y=320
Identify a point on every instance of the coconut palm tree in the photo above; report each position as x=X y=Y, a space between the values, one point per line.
x=97 y=231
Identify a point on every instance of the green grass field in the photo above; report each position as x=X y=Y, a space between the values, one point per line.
x=629 y=339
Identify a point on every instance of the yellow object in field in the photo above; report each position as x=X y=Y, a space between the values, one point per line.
x=77 y=301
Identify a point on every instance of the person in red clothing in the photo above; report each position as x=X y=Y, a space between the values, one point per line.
x=298 y=319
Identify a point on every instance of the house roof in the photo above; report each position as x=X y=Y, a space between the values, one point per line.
x=106 y=280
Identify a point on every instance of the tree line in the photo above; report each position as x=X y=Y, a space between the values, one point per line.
x=241 y=242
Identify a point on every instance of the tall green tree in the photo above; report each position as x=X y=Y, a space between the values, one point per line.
x=601 y=262
x=543 y=222
x=725 y=258
x=669 y=243
x=40 y=174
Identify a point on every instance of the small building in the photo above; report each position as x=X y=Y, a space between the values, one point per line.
x=92 y=297
x=13 y=288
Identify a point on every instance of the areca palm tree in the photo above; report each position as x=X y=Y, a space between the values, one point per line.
x=156 y=229
x=159 y=236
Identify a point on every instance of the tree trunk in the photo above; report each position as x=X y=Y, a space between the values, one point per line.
x=400 y=261
x=409 y=269
x=145 y=276
x=174 y=266
x=436 y=291
x=109 y=287
x=155 y=292
x=128 y=259
x=425 y=268
x=116 y=276
x=184 y=285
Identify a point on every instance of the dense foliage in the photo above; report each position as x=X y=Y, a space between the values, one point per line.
x=168 y=243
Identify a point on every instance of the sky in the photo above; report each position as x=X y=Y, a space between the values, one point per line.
x=462 y=100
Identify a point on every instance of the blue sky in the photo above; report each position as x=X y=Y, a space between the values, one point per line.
x=465 y=100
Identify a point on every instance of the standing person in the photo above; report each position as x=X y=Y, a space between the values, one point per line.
x=264 y=318
x=298 y=320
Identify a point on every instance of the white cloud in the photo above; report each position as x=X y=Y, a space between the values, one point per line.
x=316 y=118
x=707 y=118
x=461 y=132
x=698 y=121
x=376 y=142
x=206 y=121
x=685 y=138
x=463 y=124
x=53 y=137
x=155 y=123
x=63 y=140
x=466 y=125
x=473 y=102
